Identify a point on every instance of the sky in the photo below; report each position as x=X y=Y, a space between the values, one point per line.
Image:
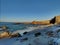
x=28 y=10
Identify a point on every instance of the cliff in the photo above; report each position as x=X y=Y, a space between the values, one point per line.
x=45 y=22
x=55 y=20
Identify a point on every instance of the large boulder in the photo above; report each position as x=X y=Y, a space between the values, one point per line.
x=5 y=35
x=15 y=35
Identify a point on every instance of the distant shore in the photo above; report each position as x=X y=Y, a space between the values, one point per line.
x=55 y=20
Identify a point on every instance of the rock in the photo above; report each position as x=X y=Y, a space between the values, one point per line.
x=58 y=30
x=5 y=35
x=24 y=39
x=17 y=23
x=15 y=35
x=50 y=33
x=29 y=44
x=9 y=35
x=55 y=20
x=25 y=33
x=45 y=22
x=4 y=27
x=37 y=34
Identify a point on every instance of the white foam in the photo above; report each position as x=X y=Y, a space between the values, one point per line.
x=27 y=30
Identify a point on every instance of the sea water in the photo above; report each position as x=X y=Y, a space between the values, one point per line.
x=20 y=29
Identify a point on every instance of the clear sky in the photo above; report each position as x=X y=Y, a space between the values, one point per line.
x=28 y=10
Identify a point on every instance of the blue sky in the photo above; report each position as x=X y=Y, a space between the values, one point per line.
x=28 y=10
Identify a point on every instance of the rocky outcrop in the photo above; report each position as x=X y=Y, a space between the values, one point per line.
x=55 y=20
x=46 y=22
x=17 y=23
x=9 y=35
x=15 y=35
x=4 y=27
x=5 y=35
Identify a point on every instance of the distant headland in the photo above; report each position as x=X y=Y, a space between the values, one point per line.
x=54 y=20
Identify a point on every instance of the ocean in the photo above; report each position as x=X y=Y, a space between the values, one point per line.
x=14 y=27
x=21 y=28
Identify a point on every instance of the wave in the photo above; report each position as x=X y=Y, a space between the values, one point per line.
x=25 y=30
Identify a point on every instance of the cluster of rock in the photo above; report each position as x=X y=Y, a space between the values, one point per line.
x=42 y=37
x=7 y=34
x=55 y=20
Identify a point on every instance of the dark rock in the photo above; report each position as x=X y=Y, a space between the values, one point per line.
x=24 y=39
x=58 y=30
x=37 y=34
x=16 y=35
x=29 y=44
x=17 y=39
x=16 y=23
x=55 y=20
x=25 y=33
x=50 y=33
